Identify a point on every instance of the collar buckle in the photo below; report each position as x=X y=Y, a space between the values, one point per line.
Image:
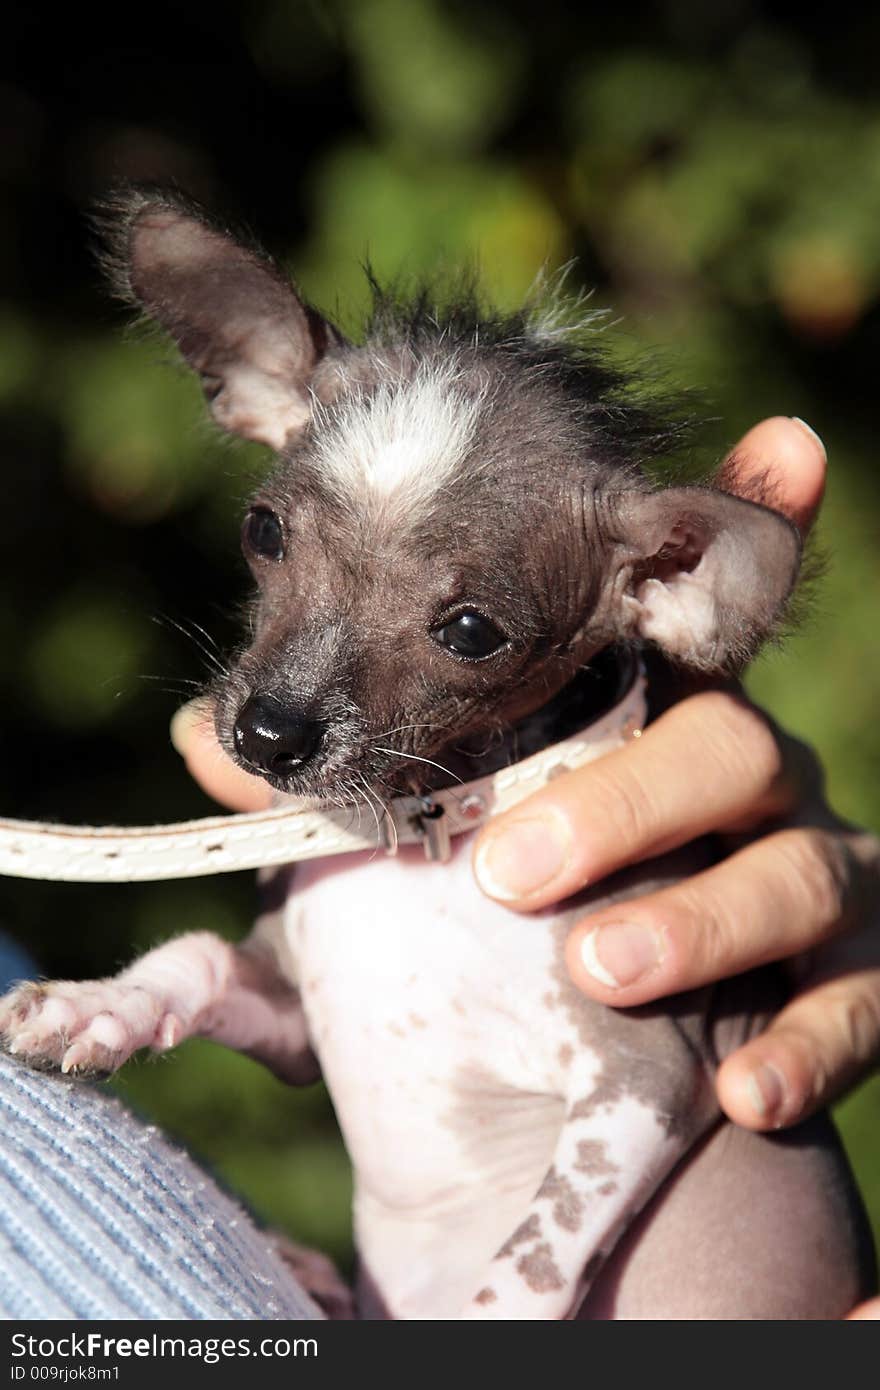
x=432 y=824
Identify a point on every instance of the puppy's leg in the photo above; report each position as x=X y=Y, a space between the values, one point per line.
x=320 y=1278
x=194 y=986
x=608 y=1162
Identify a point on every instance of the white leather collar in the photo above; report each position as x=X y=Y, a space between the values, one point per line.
x=220 y=844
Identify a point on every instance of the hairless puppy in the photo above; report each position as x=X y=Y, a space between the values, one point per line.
x=458 y=558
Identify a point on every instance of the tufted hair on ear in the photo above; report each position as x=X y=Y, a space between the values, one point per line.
x=706 y=576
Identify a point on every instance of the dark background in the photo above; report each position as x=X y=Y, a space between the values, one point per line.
x=714 y=169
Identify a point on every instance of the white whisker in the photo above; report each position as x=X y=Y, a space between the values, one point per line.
x=204 y=644
x=368 y=795
x=386 y=813
x=354 y=803
x=377 y=748
x=384 y=733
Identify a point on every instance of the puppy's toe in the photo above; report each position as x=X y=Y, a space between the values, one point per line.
x=86 y=1029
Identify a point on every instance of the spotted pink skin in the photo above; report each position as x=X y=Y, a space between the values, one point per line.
x=451 y=1068
x=504 y=1132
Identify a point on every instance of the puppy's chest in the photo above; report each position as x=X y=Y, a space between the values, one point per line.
x=432 y=1009
x=448 y=1032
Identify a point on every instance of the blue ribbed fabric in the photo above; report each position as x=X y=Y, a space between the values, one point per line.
x=101 y=1217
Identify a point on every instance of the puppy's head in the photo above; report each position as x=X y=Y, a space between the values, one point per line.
x=455 y=524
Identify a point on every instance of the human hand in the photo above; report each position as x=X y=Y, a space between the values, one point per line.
x=192 y=733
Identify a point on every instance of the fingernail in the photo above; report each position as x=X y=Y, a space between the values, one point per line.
x=523 y=857
x=766 y=1091
x=183 y=721
x=810 y=431
x=621 y=954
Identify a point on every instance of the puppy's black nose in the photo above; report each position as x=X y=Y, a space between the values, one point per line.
x=274 y=739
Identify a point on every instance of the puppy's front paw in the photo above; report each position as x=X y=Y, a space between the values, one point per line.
x=88 y=1028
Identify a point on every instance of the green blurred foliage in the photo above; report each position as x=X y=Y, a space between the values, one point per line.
x=77 y=662
x=404 y=219
x=429 y=85
x=715 y=171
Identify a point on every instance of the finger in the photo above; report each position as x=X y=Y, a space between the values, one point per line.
x=781 y=895
x=641 y=800
x=192 y=734
x=787 y=454
x=809 y=1055
x=865 y=1311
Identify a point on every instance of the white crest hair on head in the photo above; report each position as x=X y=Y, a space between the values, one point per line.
x=405 y=437
x=554 y=314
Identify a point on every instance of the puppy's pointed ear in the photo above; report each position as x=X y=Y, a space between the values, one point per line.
x=705 y=575
x=234 y=316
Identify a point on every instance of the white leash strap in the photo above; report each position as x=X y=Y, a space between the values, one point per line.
x=220 y=844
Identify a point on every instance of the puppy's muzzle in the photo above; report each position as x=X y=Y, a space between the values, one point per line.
x=276 y=740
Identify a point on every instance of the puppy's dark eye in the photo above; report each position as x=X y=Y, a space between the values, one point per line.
x=470 y=635
x=262 y=535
